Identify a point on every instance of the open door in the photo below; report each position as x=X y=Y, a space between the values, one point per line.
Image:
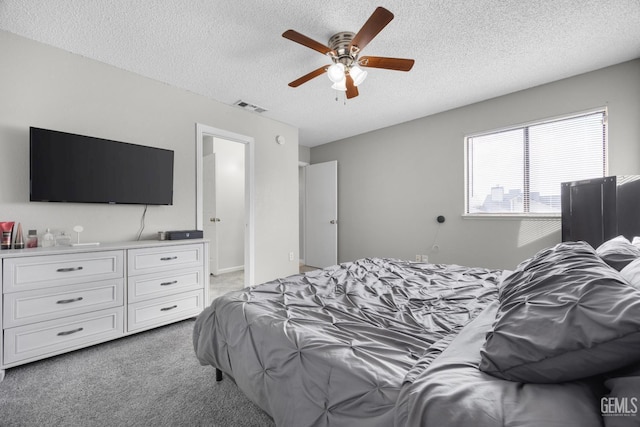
x=204 y=146
x=321 y=214
x=210 y=224
x=224 y=206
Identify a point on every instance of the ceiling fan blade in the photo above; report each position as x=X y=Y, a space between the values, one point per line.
x=352 y=90
x=306 y=41
x=309 y=76
x=398 y=64
x=376 y=22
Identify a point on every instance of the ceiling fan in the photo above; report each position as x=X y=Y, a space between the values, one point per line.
x=344 y=49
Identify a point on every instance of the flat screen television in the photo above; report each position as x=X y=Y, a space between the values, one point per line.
x=66 y=167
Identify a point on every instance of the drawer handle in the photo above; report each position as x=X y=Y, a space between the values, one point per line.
x=168 y=283
x=68 y=269
x=169 y=308
x=73 y=331
x=168 y=258
x=67 y=301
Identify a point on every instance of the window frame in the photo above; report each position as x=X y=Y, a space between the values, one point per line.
x=524 y=126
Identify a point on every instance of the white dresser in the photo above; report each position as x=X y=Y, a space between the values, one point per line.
x=59 y=299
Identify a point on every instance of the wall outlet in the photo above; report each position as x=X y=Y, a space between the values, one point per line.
x=425 y=258
x=291 y=256
x=418 y=258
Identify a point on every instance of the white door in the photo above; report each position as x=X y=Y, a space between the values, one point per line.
x=229 y=205
x=210 y=222
x=321 y=214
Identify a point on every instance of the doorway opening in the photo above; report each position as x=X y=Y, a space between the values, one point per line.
x=225 y=206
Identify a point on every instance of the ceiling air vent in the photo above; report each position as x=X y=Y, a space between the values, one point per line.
x=250 y=107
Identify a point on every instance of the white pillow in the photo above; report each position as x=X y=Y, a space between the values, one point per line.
x=619 y=238
x=631 y=273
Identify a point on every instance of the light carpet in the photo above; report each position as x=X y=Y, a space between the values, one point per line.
x=149 y=379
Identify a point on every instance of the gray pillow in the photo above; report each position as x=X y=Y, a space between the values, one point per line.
x=621 y=407
x=564 y=315
x=451 y=391
x=618 y=252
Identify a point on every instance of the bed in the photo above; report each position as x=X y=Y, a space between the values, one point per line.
x=384 y=342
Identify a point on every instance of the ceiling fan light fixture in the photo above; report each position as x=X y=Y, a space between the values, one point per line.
x=357 y=74
x=341 y=85
x=336 y=72
x=344 y=49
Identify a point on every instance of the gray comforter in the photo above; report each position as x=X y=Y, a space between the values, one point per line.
x=453 y=392
x=335 y=346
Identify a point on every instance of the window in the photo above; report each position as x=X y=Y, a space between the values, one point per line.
x=518 y=171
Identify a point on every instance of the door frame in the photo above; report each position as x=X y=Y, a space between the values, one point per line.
x=249 y=190
x=302 y=202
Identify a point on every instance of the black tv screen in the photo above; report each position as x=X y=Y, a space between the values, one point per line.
x=66 y=167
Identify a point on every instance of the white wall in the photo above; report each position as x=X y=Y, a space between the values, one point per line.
x=394 y=182
x=47 y=87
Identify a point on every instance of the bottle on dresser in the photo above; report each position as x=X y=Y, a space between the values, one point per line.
x=32 y=239
x=48 y=240
x=7 y=233
x=18 y=243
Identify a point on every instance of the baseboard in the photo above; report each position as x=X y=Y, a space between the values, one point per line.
x=230 y=269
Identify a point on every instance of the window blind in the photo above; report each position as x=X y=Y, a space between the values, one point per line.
x=519 y=170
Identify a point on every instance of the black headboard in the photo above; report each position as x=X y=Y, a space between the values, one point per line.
x=596 y=210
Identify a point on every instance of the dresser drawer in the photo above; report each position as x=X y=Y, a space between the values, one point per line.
x=148 y=286
x=51 y=270
x=162 y=310
x=21 y=308
x=150 y=260
x=56 y=336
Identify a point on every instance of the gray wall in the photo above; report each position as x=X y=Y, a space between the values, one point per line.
x=47 y=87
x=304 y=154
x=394 y=182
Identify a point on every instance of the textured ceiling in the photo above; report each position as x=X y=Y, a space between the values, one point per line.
x=465 y=50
